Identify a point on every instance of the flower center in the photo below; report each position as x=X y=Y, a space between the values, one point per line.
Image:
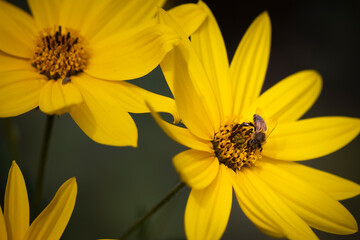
x=59 y=56
x=236 y=145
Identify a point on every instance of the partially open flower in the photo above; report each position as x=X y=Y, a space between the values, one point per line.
x=50 y=224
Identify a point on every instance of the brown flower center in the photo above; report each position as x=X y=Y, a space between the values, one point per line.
x=236 y=145
x=59 y=56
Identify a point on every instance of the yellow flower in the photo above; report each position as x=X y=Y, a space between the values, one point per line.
x=72 y=56
x=235 y=147
x=50 y=224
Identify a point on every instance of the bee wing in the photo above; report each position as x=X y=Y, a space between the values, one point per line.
x=270 y=124
x=259 y=121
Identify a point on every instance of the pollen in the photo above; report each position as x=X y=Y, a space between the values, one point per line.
x=59 y=55
x=234 y=146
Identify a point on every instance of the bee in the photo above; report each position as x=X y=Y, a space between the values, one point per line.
x=258 y=137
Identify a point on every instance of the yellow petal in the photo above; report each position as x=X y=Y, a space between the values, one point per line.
x=19 y=86
x=16 y=204
x=138 y=12
x=131 y=54
x=297 y=141
x=192 y=106
x=100 y=16
x=194 y=95
x=58 y=98
x=102 y=117
x=189 y=16
x=262 y=222
x=248 y=67
x=267 y=209
x=9 y=63
x=51 y=222
x=3 y=231
x=46 y=13
x=289 y=99
x=270 y=233
x=336 y=187
x=168 y=67
x=182 y=135
x=210 y=47
x=17 y=30
x=207 y=210
x=316 y=208
x=109 y=17
x=133 y=98
x=166 y=19
x=99 y=19
x=79 y=14
x=196 y=168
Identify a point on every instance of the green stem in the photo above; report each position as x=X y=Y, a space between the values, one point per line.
x=42 y=163
x=12 y=137
x=179 y=186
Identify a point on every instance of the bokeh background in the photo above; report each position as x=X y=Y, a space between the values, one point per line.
x=117 y=185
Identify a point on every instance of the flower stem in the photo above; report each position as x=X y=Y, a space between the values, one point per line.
x=42 y=163
x=12 y=137
x=179 y=186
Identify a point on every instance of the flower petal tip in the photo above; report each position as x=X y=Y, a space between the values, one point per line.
x=14 y=167
x=160 y=11
x=315 y=77
x=71 y=183
x=264 y=20
x=264 y=16
x=316 y=74
x=73 y=180
x=265 y=13
x=354 y=229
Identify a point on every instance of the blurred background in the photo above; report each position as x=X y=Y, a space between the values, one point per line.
x=117 y=185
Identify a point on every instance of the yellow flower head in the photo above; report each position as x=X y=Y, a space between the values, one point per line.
x=72 y=56
x=50 y=224
x=247 y=142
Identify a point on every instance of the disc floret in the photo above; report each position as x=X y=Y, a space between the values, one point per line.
x=58 y=55
x=234 y=146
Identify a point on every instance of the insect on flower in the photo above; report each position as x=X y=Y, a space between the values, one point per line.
x=261 y=131
x=66 y=80
x=258 y=137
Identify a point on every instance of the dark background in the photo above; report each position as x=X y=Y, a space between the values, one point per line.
x=117 y=185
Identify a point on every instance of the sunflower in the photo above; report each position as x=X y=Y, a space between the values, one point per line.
x=72 y=56
x=247 y=142
x=50 y=224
